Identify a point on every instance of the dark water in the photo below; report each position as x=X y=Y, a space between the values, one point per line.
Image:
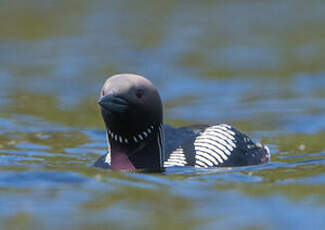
x=258 y=65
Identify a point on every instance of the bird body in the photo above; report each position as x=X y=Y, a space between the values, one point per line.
x=137 y=138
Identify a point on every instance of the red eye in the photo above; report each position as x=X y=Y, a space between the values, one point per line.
x=103 y=93
x=139 y=93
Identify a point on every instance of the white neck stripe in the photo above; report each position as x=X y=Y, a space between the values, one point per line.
x=136 y=138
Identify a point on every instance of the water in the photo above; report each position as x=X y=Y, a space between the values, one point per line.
x=258 y=65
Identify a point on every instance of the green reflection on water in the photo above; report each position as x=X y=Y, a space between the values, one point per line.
x=86 y=113
x=21 y=220
x=300 y=143
x=40 y=19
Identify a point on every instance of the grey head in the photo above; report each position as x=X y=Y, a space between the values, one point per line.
x=132 y=111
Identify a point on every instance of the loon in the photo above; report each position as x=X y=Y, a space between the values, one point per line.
x=137 y=139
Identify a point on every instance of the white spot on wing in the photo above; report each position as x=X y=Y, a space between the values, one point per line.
x=220 y=138
x=203 y=160
x=227 y=130
x=214 y=145
x=206 y=149
x=224 y=135
x=208 y=156
x=176 y=158
x=199 y=163
x=217 y=142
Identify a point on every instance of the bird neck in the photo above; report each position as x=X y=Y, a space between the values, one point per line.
x=147 y=154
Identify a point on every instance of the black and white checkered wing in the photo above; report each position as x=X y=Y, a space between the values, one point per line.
x=214 y=146
x=224 y=146
x=217 y=146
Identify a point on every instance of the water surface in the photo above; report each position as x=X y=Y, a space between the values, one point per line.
x=258 y=65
